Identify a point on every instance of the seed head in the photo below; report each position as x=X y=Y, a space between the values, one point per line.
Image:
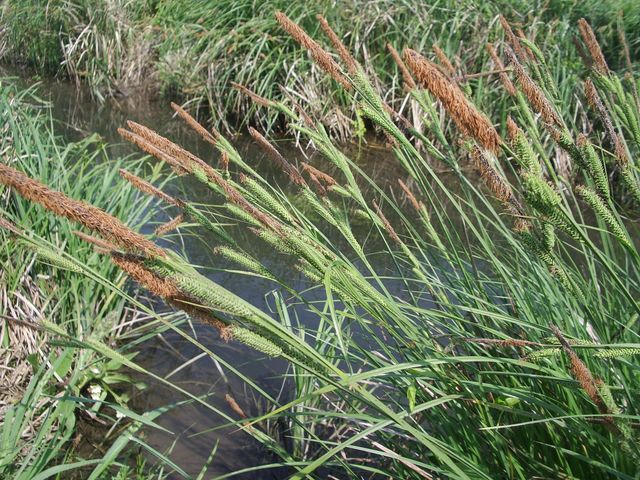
x=465 y=115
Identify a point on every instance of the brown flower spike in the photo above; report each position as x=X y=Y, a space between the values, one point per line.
x=465 y=115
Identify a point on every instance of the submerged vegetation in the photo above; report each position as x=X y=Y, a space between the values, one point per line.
x=504 y=341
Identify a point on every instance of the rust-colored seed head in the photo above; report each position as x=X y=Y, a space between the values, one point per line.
x=91 y=217
x=224 y=162
x=387 y=225
x=465 y=115
x=444 y=61
x=98 y=242
x=328 y=180
x=170 y=225
x=275 y=155
x=417 y=205
x=512 y=39
x=322 y=58
x=134 y=267
x=589 y=38
x=596 y=104
x=581 y=372
x=252 y=95
x=195 y=125
x=492 y=178
x=406 y=74
x=7 y=225
x=149 y=189
x=513 y=130
x=534 y=94
x=147 y=147
x=527 y=51
x=349 y=61
x=498 y=65
x=185 y=158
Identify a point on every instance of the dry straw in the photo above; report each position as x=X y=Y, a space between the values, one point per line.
x=465 y=115
x=91 y=217
x=321 y=57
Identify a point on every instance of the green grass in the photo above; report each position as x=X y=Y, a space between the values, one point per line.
x=193 y=50
x=47 y=382
x=489 y=350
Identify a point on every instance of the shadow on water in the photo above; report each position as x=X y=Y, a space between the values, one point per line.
x=197 y=430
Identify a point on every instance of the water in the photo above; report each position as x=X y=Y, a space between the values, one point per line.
x=197 y=430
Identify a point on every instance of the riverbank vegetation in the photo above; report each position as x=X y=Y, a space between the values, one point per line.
x=193 y=50
x=503 y=341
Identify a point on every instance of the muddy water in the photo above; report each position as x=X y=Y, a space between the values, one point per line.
x=198 y=430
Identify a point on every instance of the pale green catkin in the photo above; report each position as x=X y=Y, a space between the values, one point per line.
x=213 y=296
x=548 y=236
x=603 y=211
x=57 y=260
x=595 y=167
x=241 y=214
x=276 y=241
x=540 y=194
x=543 y=353
x=340 y=191
x=630 y=181
x=255 y=341
x=243 y=259
x=617 y=352
x=526 y=156
x=267 y=200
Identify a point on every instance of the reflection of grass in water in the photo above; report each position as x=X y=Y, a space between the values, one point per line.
x=445 y=387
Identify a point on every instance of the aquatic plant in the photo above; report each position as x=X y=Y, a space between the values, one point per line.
x=453 y=375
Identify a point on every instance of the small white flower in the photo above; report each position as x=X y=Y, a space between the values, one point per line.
x=95 y=391
x=120 y=415
x=95 y=370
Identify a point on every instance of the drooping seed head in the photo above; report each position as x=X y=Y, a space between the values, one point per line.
x=91 y=217
x=466 y=116
x=590 y=40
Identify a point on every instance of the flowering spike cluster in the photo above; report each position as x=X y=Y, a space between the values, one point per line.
x=195 y=125
x=534 y=94
x=406 y=75
x=523 y=150
x=465 y=115
x=417 y=205
x=321 y=57
x=91 y=217
x=594 y=165
x=589 y=38
x=498 y=65
x=347 y=58
x=277 y=157
x=602 y=210
x=255 y=341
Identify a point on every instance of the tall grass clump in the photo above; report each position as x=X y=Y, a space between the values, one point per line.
x=192 y=50
x=57 y=297
x=502 y=341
